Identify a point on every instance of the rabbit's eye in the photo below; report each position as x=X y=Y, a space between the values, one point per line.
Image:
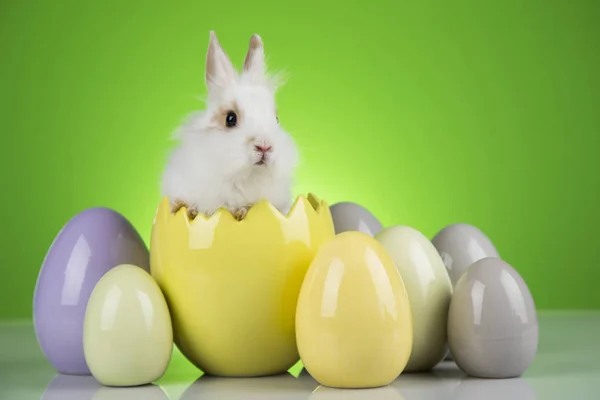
x=277 y=117
x=231 y=119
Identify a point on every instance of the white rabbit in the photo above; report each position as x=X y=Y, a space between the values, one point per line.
x=234 y=153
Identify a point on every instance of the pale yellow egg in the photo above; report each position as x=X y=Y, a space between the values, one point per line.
x=127 y=332
x=353 y=319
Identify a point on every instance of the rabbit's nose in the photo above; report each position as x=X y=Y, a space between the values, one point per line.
x=262 y=148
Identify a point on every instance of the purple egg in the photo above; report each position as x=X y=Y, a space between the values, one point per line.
x=88 y=246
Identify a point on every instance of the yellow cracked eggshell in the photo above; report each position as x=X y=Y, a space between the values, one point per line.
x=353 y=319
x=127 y=331
x=232 y=286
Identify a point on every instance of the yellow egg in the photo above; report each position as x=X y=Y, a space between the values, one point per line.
x=232 y=286
x=127 y=332
x=353 y=320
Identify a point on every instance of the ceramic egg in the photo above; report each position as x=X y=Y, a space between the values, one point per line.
x=429 y=291
x=460 y=245
x=353 y=217
x=492 y=321
x=127 y=335
x=232 y=286
x=89 y=245
x=353 y=319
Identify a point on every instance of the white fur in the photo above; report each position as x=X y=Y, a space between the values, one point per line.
x=214 y=167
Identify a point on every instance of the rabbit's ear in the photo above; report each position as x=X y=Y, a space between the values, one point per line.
x=219 y=69
x=254 y=64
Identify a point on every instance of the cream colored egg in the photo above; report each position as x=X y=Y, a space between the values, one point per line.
x=429 y=291
x=353 y=320
x=127 y=332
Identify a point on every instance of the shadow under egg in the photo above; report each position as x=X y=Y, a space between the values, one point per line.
x=72 y=387
x=277 y=386
x=432 y=385
x=471 y=388
x=380 y=393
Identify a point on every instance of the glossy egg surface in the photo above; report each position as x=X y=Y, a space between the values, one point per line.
x=353 y=320
x=128 y=336
x=460 y=245
x=349 y=216
x=429 y=292
x=492 y=322
x=232 y=286
x=89 y=245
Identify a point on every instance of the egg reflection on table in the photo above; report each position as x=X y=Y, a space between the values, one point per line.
x=429 y=291
x=90 y=244
x=433 y=385
x=492 y=322
x=349 y=216
x=146 y=392
x=71 y=387
x=353 y=319
x=380 y=393
x=276 y=387
x=494 y=389
x=128 y=335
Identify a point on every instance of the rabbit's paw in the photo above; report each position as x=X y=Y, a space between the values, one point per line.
x=240 y=213
x=179 y=204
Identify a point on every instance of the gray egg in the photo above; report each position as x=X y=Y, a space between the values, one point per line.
x=353 y=217
x=492 y=321
x=460 y=245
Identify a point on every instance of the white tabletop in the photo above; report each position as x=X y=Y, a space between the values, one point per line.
x=566 y=368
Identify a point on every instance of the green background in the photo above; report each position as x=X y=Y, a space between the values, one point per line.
x=425 y=112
